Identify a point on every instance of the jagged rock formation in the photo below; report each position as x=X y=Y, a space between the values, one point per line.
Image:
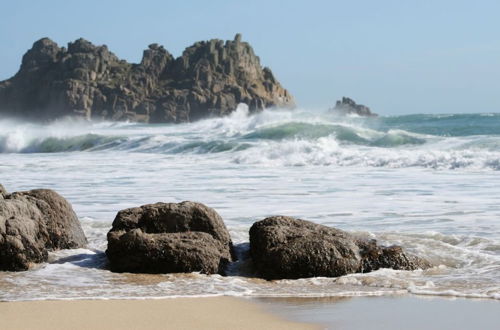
x=33 y=223
x=284 y=247
x=347 y=106
x=169 y=238
x=210 y=78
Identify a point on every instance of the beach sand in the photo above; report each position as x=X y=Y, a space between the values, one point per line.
x=388 y=313
x=176 y=313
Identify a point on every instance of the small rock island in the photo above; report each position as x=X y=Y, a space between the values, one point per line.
x=210 y=78
x=347 y=106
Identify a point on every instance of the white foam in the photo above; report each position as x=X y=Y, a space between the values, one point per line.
x=437 y=199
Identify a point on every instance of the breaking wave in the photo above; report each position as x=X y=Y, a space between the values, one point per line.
x=287 y=138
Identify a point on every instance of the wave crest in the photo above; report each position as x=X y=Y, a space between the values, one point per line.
x=282 y=138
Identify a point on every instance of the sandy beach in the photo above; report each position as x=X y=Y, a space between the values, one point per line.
x=388 y=313
x=177 y=313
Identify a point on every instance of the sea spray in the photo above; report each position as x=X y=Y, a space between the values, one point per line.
x=282 y=138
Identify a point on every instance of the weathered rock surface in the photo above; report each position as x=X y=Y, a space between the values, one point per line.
x=33 y=223
x=347 y=106
x=3 y=192
x=210 y=78
x=169 y=238
x=287 y=248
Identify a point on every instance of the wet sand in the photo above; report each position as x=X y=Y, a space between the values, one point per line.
x=390 y=313
x=176 y=313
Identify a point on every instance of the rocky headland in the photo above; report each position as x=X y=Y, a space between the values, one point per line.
x=210 y=78
x=347 y=106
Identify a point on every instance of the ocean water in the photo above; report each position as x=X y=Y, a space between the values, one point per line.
x=430 y=183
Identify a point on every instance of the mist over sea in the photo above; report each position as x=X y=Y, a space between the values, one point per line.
x=427 y=182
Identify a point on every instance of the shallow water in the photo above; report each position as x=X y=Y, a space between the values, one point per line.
x=428 y=183
x=388 y=313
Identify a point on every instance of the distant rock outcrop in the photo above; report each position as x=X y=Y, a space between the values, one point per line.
x=210 y=78
x=347 y=106
x=33 y=223
x=287 y=248
x=169 y=238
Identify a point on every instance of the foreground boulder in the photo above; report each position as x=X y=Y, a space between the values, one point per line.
x=210 y=78
x=33 y=223
x=169 y=238
x=288 y=248
x=347 y=106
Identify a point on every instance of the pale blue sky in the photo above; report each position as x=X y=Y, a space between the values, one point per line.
x=394 y=56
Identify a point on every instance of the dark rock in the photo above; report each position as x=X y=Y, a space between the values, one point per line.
x=33 y=223
x=169 y=238
x=347 y=106
x=375 y=257
x=210 y=78
x=284 y=247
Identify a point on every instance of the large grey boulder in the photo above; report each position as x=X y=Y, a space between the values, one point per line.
x=287 y=248
x=210 y=78
x=169 y=238
x=33 y=223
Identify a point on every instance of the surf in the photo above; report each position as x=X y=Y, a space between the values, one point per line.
x=282 y=138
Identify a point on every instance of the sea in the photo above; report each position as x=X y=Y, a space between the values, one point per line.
x=430 y=183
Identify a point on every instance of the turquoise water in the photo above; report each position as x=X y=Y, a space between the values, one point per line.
x=386 y=132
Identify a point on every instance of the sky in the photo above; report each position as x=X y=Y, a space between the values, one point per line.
x=397 y=57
